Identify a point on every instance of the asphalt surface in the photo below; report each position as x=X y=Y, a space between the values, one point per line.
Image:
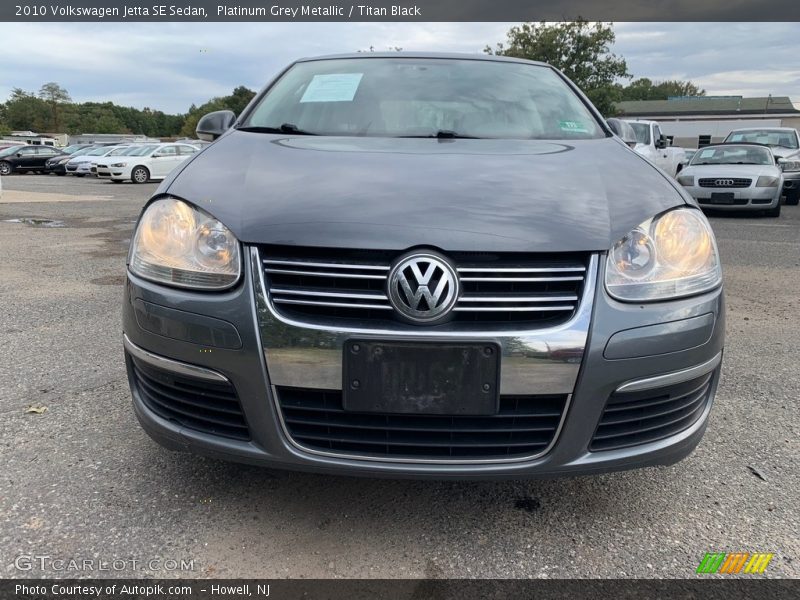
x=83 y=481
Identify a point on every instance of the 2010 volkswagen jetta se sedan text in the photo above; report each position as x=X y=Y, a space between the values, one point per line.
x=423 y=265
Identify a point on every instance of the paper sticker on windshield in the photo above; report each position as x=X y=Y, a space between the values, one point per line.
x=573 y=126
x=335 y=87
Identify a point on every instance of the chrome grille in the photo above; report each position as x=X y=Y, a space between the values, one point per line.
x=724 y=182
x=333 y=284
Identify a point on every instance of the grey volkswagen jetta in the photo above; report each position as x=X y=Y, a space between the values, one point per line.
x=423 y=265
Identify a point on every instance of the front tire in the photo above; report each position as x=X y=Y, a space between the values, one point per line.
x=5 y=168
x=140 y=175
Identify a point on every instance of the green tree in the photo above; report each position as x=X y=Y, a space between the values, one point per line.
x=55 y=96
x=645 y=89
x=580 y=49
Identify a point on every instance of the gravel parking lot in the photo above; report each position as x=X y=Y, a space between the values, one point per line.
x=83 y=481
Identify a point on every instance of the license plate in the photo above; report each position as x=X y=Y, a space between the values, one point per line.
x=722 y=198
x=421 y=378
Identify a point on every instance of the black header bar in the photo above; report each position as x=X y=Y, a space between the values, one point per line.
x=396 y=10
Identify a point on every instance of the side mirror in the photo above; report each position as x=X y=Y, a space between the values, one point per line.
x=19 y=154
x=623 y=131
x=661 y=143
x=214 y=124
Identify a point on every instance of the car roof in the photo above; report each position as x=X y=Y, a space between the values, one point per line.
x=439 y=55
x=786 y=129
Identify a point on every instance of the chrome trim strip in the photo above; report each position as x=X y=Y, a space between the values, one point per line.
x=325 y=274
x=400 y=460
x=300 y=263
x=522 y=279
x=516 y=300
x=520 y=269
x=303 y=292
x=335 y=304
x=168 y=364
x=650 y=383
x=513 y=308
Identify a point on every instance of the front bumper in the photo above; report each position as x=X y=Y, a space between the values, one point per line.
x=112 y=173
x=623 y=346
x=749 y=198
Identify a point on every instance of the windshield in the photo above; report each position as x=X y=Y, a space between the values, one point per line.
x=10 y=150
x=642 y=131
x=769 y=137
x=423 y=97
x=733 y=155
x=83 y=151
x=71 y=149
x=98 y=152
x=140 y=150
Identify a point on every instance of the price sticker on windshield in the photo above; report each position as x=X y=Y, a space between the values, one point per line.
x=333 y=87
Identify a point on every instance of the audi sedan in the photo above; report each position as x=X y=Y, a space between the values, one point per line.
x=385 y=267
x=735 y=177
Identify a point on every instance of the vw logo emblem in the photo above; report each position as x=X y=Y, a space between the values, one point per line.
x=423 y=287
x=723 y=182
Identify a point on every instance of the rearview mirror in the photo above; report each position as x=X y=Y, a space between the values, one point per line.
x=214 y=124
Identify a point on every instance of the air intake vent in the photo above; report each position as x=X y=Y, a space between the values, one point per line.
x=634 y=418
x=201 y=405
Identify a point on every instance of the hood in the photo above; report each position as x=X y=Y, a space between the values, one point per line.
x=396 y=193
x=781 y=152
x=82 y=158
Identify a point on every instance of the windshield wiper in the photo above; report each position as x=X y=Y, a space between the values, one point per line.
x=443 y=134
x=285 y=128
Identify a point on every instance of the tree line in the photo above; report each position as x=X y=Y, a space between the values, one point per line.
x=582 y=50
x=52 y=110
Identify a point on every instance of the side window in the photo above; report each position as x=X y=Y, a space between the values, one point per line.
x=167 y=151
x=186 y=149
x=45 y=151
x=29 y=151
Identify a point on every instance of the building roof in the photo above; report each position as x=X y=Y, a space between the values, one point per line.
x=708 y=105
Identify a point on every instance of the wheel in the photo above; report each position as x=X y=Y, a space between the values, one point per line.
x=140 y=175
x=792 y=197
x=5 y=168
x=774 y=212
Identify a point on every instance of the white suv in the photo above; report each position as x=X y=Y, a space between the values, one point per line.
x=144 y=163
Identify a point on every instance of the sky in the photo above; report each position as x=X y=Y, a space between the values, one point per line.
x=169 y=66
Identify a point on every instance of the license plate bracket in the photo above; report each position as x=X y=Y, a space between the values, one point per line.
x=722 y=198
x=430 y=378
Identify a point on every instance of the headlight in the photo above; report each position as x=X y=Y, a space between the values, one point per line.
x=180 y=245
x=64 y=161
x=686 y=179
x=790 y=166
x=767 y=181
x=118 y=165
x=666 y=257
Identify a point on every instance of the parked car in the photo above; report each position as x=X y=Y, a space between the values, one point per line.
x=26 y=158
x=653 y=145
x=785 y=145
x=144 y=163
x=81 y=165
x=58 y=164
x=71 y=149
x=386 y=266
x=735 y=177
x=688 y=153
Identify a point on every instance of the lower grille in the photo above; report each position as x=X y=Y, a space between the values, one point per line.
x=724 y=182
x=524 y=426
x=633 y=418
x=195 y=404
x=736 y=202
